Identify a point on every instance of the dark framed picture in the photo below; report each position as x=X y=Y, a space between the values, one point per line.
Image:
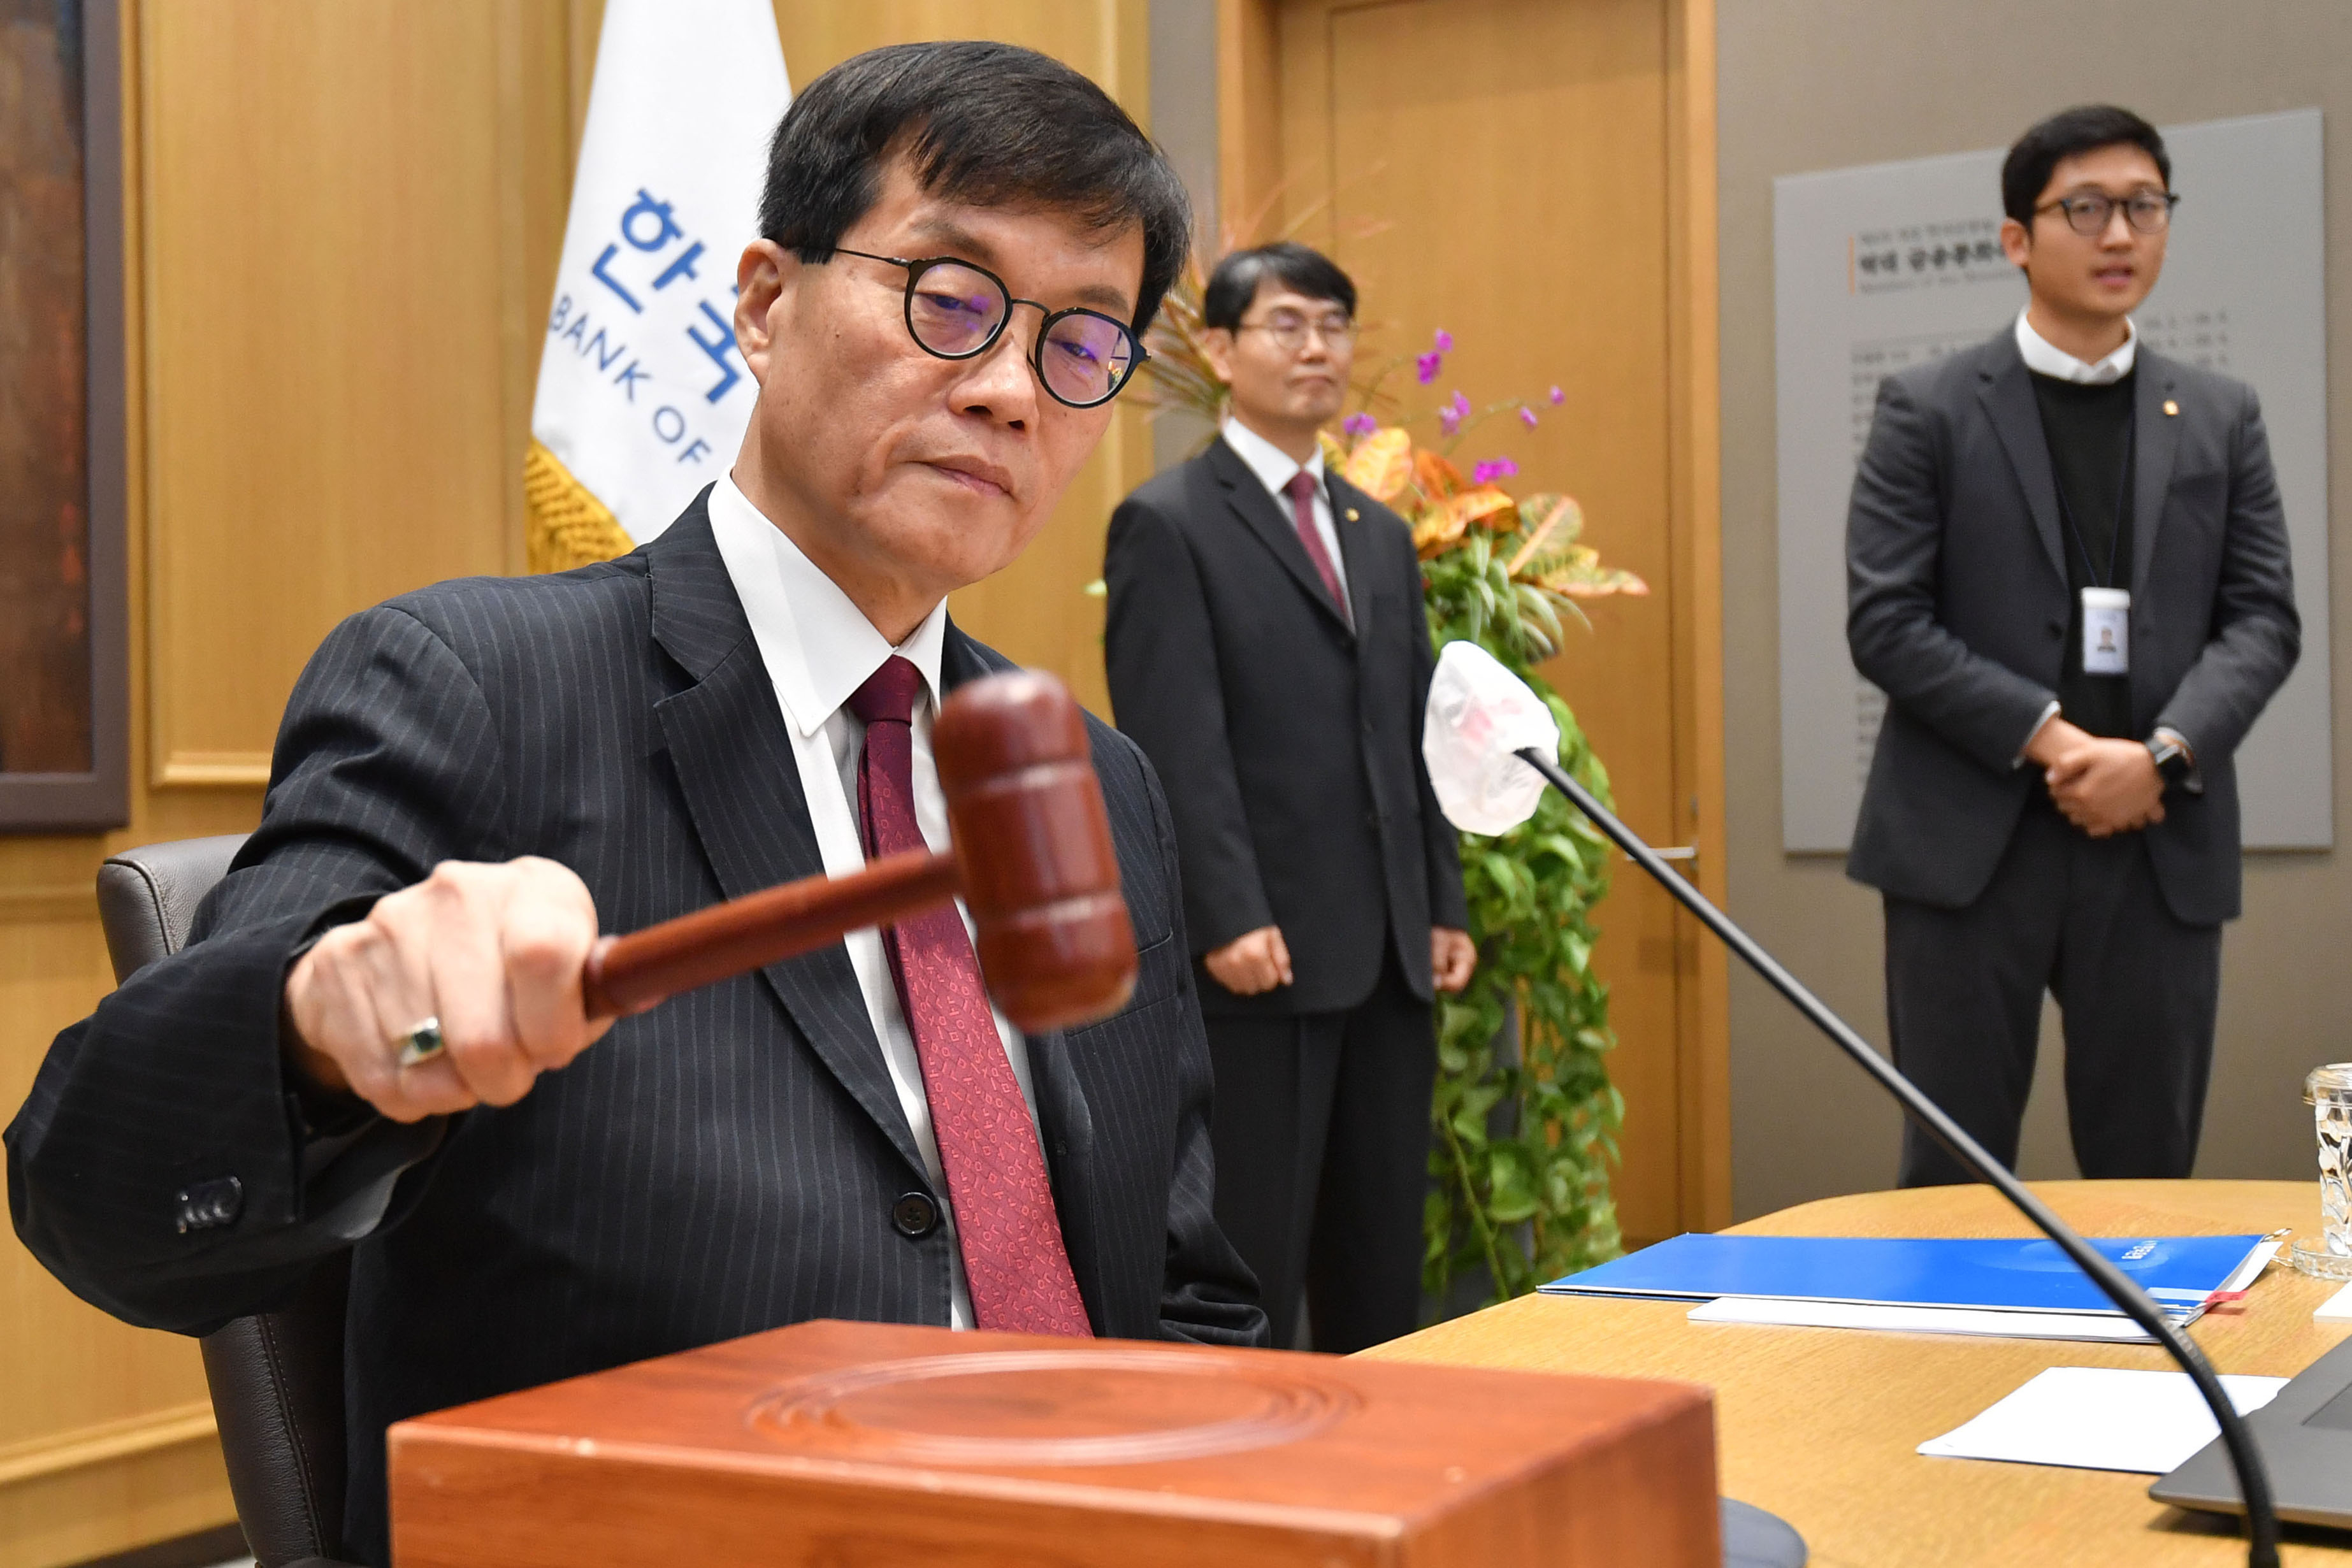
x=64 y=660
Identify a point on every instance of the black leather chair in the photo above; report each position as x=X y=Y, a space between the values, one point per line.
x=276 y=1378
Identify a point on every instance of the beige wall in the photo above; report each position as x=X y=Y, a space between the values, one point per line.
x=1822 y=84
x=342 y=219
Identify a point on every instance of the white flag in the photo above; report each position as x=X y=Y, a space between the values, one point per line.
x=642 y=396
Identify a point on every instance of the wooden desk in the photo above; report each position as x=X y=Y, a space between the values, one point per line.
x=1820 y=1424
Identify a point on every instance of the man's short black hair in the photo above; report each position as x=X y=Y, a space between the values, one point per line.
x=1309 y=272
x=2025 y=172
x=983 y=124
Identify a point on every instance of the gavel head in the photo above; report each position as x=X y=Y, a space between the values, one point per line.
x=1040 y=876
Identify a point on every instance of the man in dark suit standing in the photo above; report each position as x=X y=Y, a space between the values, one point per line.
x=1268 y=651
x=376 y=1035
x=2067 y=569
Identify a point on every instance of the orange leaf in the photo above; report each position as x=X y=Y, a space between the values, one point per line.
x=1381 y=464
x=1550 y=523
x=1437 y=479
x=1485 y=504
x=1439 y=529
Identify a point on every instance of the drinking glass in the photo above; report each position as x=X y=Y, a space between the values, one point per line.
x=2328 y=1092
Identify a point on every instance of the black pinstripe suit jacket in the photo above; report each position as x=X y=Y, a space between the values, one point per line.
x=723 y=1164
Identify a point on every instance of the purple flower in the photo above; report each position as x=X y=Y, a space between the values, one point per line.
x=1557 y=397
x=1528 y=417
x=1426 y=366
x=1360 y=424
x=1461 y=406
x=1449 y=420
x=1492 y=469
x=1444 y=341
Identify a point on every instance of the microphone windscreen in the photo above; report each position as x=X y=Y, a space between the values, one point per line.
x=1478 y=715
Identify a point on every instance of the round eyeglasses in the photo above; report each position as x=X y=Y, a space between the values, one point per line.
x=956 y=311
x=1289 y=329
x=2088 y=214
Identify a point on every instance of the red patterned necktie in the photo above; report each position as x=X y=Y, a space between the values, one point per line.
x=1302 y=506
x=1012 y=1240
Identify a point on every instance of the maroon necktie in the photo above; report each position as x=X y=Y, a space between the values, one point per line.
x=1302 y=506
x=1012 y=1254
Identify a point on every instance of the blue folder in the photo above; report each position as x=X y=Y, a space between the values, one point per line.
x=2180 y=1272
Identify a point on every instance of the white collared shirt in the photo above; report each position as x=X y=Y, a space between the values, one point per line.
x=1275 y=468
x=819 y=648
x=2044 y=358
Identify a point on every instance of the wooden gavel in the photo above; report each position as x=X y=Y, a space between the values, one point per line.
x=1032 y=861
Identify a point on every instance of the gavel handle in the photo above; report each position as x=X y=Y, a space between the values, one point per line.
x=629 y=974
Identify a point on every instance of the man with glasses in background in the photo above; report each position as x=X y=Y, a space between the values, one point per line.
x=1267 y=649
x=2067 y=569
x=375 y=1035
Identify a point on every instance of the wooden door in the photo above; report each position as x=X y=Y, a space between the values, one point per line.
x=1510 y=171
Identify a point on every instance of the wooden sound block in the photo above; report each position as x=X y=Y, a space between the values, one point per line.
x=866 y=1445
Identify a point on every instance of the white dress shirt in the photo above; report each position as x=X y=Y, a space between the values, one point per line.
x=819 y=648
x=1274 y=469
x=2044 y=358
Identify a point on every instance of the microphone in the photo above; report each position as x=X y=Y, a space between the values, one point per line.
x=1483 y=709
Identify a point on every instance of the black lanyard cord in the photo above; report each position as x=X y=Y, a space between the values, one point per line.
x=2123 y=500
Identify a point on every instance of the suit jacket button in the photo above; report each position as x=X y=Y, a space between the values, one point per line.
x=208 y=1205
x=915 y=1215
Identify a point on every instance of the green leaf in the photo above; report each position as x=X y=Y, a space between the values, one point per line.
x=1531 y=892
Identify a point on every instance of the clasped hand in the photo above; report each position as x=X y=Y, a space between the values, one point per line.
x=2104 y=787
x=1257 y=961
x=493 y=951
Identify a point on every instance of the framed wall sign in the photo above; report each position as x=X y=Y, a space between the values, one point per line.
x=64 y=663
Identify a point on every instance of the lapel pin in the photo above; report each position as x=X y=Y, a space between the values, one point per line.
x=2171 y=407
x=1352 y=514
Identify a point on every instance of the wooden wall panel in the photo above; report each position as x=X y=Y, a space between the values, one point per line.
x=1249 y=113
x=1694 y=477
x=1516 y=172
x=328 y=402
x=104 y=1429
x=98 y=1510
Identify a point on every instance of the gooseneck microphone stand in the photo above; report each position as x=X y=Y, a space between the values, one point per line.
x=2253 y=1481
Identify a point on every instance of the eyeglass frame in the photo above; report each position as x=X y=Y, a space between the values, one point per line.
x=1348 y=329
x=917 y=266
x=2171 y=200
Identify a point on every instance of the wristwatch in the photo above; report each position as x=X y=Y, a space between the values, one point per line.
x=2173 y=763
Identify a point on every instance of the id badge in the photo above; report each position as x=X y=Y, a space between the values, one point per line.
x=2107 y=632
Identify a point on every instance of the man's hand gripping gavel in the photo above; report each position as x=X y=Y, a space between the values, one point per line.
x=505 y=964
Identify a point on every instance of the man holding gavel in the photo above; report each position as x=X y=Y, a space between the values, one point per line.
x=376 y=1039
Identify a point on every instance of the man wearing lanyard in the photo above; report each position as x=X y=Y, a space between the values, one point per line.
x=2067 y=569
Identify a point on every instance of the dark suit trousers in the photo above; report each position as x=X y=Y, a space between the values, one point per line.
x=1321 y=1134
x=2136 y=987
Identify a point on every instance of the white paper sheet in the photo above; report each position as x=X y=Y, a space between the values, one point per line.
x=2099 y=1327
x=2100 y=1418
x=2337 y=1308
